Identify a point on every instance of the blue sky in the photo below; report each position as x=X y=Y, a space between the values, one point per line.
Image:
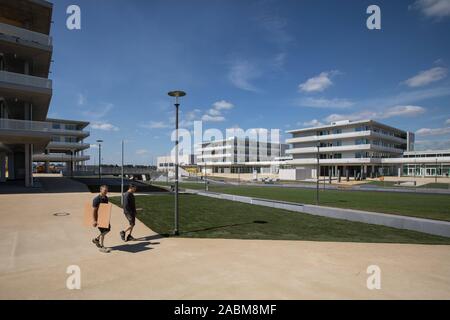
x=249 y=64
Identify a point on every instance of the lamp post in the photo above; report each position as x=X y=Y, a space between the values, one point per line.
x=206 y=180
x=99 y=158
x=436 y=171
x=176 y=94
x=121 y=176
x=317 y=173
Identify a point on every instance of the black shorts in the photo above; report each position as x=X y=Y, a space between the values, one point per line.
x=131 y=217
x=104 y=230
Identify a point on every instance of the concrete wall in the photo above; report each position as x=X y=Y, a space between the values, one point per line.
x=300 y=173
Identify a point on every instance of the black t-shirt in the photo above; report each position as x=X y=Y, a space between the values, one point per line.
x=99 y=199
x=129 y=204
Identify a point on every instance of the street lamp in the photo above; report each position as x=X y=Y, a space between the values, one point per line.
x=121 y=175
x=176 y=94
x=317 y=173
x=99 y=158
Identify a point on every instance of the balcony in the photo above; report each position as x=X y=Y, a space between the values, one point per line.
x=21 y=34
x=60 y=145
x=353 y=147
x=308 y=150
x=341 y=161
x=59 y=157
x=34 y=128
x=346 y=135
x=214 y=156
x=19 y=80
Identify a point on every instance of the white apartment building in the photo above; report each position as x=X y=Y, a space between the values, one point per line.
x=167 y=163
x=240 y=155
x=348 y=148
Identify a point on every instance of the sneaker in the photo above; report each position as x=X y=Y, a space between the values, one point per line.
x=105 y=250
x=96 y=242
x=130 y=238
x=122 y=235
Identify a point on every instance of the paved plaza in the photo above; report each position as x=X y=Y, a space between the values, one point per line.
x=37 y=246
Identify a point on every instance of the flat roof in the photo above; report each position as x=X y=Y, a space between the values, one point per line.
x=344 y=123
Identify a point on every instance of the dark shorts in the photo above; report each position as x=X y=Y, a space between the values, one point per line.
x=104 y=230
x=131 y=217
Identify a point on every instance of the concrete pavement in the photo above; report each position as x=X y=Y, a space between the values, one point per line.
x=36 y=247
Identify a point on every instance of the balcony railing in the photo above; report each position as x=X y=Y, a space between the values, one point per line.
x=67 y=145
x=25 y=34
x=60 y=157
x=37 y=126
x=26 y=80
x=25 y=125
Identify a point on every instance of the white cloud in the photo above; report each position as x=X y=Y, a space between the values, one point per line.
x=433 y=8
x=100 y=111
x=155 y=125
x=433 y=132
x=103 y=125
x=222 y=105
x=318 y=83
x=426 y=77
x=312 y=123
x=396 y=111
x=403 y=111
x=325 y=103
x=215 y=113
x=447 y=121
x=209 y=118
x=93 y=146
x=432 y=144
x=242 y=73
x=142 y=152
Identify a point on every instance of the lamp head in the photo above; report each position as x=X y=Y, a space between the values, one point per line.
x=177 y=93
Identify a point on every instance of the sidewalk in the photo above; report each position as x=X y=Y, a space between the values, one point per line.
x=36 y=247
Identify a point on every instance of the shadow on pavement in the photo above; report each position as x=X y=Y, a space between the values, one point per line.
x=134 y=248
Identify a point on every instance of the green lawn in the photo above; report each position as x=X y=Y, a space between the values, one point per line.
x=382 y=183
x=203 y=217
x=436 y=185
x=431 y=206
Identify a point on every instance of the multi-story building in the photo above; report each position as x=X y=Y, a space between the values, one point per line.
x=66 y=145
x=25 y=90
x=348 y=148
x=167 y=163
x=239 y=155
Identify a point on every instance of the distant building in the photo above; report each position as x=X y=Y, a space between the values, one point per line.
x=25 y=92
x=167 y=163
x=240 y=155
x=361 y=149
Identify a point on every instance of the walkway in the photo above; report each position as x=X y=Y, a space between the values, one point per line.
x=36 y=247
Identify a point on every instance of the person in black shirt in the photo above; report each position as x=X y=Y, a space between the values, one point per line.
x=100 y=198
x=129 y=209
